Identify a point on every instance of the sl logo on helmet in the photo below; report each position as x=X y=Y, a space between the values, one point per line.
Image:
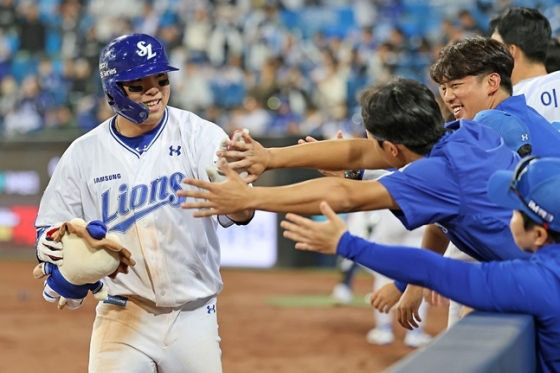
x=144 y=50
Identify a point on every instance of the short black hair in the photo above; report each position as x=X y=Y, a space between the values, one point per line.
x=525 y=28
x=529 y=223
x=403 y=111
x=474 y=56
x=553 y=56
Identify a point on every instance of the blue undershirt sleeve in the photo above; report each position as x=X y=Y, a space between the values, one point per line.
x=508 y=286
x=401 y=286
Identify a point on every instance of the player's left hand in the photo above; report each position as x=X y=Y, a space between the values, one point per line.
x=310 y=235
x=407 y=309
x=385 y=297
x=48 y=249
x=225 y=198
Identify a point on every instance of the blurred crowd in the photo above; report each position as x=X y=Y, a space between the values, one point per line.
x=275 y=67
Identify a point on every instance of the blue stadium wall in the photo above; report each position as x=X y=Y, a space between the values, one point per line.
x=479 y=343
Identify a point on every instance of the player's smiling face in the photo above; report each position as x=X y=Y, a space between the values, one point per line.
x=152 y=91
x=466 y=97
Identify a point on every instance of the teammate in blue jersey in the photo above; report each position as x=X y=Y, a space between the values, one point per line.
x=474 y=74
x=441 y=175
x=531 y=190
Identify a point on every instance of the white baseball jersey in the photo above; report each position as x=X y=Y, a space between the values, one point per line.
x=542 y=94
x=134 y=193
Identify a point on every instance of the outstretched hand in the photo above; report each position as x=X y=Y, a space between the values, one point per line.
x=245 y=154
x=407 y=309
x=385 y=297
x=212 y=171
x=309 y=139
x=227 y=197
x=310 y=235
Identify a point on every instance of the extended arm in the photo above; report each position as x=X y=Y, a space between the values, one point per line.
x=331 y=155
x=507 y=286
x=433 y=240
x=336 y=154
x=233 y=195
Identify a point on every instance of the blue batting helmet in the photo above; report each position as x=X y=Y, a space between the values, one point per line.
x=126 y=58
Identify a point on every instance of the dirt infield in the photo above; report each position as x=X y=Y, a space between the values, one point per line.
x=256 y=335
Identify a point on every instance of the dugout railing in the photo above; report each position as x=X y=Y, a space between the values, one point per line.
x=479 y=343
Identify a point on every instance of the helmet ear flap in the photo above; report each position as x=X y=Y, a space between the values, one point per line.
x=122 y=105
x=121 y=86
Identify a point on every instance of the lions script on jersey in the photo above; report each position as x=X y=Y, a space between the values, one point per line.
x=133 y=191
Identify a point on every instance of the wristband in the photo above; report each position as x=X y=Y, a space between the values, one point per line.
x=354 y=174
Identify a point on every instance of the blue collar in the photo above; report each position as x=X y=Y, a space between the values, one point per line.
x=139 y=144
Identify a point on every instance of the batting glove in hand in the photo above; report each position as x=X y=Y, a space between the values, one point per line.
x=48 y=250
x=215 y=175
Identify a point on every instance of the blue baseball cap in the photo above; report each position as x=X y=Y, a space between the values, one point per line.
x=534 y=188
x=513 y=130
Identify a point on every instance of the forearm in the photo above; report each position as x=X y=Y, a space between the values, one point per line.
x=467 y=283
x=328 y=155
x=343 y=195
x=304 y=198
x=401 y=263
x=434 y=239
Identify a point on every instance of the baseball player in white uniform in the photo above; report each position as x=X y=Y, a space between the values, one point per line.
x=527 y=34
x=542 y=94
x=161 y=316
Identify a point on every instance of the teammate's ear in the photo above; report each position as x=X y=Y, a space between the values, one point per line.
x=515 y=51
x=540 y=235
x=493 y=81
x=391 y=148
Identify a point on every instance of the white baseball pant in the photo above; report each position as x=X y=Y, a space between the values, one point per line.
x=143 y=338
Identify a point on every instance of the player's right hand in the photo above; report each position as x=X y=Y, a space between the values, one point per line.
x=310 y=235
x=407 y=309
x=47 y=249
x=308 y=139
x=214 y=174
x=245 y=154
